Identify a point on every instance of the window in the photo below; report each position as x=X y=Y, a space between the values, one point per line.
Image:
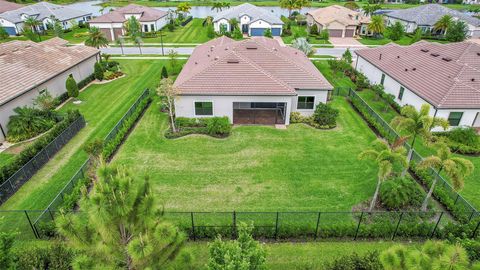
x=305 y=103
x=203 y=108
x=454 y=118
x=152 y=27
x=383 y=79
x=400 y=94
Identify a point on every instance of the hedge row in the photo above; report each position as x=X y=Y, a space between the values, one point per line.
x=112 y=145
x=30 y=151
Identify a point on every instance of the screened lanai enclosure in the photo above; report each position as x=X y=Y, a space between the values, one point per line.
x=259 y=113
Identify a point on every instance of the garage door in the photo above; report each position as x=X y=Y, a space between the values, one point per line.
x=10 y=30
x=349 y=32
x=257 y=32
x=258 y=113
x=335 y=32
x=276 y=32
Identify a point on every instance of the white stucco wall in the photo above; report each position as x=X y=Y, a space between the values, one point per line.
x=216 y=25
x=409 y=97
x=320 y=96
x=260 y=24
x=223 y=105
x=410 y=27
x=55 y=86
x=244 y=19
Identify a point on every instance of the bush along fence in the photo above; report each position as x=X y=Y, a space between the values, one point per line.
x=32 y=158
x=68 y=196
x=460 y=208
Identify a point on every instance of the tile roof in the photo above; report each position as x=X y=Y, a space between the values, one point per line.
x=118 y=15
x=256 y=66
x=445 y=75
x=25 y=64
x=338 y=13
x=43 y=10
x=254 y=12
x=7 y=6
x=430 y=14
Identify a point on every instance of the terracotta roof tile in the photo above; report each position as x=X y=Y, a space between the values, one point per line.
x=445 y=75
x=7 y=6
x=118 y=15
x=257 y=66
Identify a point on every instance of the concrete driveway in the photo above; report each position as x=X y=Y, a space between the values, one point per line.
x=345 y=42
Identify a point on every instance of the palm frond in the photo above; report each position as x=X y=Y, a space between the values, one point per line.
x=465 y=166
x=431 y=161
x=409 y=111
x=384 y=169
x=368 y=154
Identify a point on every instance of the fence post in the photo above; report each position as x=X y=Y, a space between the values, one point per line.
x=193 y=227
x=475 y=231
x=456 y=199
x=396 y=228
x=358 y=226
x=436 y=225
x=471 y=216
x=31 y=226
x=276 y=227
x=234 y=224
x=50 y=212
x=318 y=224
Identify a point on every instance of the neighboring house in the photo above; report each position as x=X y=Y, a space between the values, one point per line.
x=7 y=6
x=339 y=21
x=254 y=81
x=27 y=69
x=425 y=17
x=445 y=76
x=252 y=20
x=112 y=23
x=471 y=2
x=13 y=20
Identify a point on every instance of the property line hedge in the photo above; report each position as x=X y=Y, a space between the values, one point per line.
x=29 y=152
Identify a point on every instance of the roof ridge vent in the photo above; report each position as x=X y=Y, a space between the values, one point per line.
x=447 y=59
x=424 y=50
x=233 y=61
x=434 y=54
x=251 y=47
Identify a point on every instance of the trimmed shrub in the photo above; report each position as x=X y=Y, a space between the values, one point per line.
x=98 y=71
x=400 y=193
x=219 y=126
x=44 y=257
x=72 y=87
x=354 y=261
x=463 y=140
x=29 y=122
x=314 y=29
x=214 y=126
x=325 y=116
x=86 y=81
x=164 y=73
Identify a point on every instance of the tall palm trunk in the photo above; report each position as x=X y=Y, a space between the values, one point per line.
x=430 y=192
x=409 y=156
x=121 y=47
x=140 y=48
x=375 y=195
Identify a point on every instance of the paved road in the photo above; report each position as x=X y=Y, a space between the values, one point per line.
x=336 y=52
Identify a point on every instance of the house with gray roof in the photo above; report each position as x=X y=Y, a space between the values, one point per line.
x=444 y=76
x=12 y=21
x=252 y=20
x=252 y=81
x=425 y=17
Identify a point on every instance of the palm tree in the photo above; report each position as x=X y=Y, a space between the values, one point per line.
x=120 y=42
x=138 y=41
x=368 y=9
x=377 y=25
x=413 y=123
x=96 y=38
x=217 y=6
x=184 y=7
x=33 y=24
x=443 y=23
x=208 y=21
x=454 y=167
x=233 y=24
x=226 y=5
x=294 y=4
x=385 y=157
x=106 y=57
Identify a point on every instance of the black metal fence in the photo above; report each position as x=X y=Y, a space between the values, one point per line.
x=461 y=203
x=12 y=184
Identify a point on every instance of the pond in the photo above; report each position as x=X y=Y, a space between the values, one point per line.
x=196 y=11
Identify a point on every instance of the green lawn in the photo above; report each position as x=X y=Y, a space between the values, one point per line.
x=103 y=105
x=297 y=255
x=193 y=32
x=301 y=31
x=4 y=158
x=404 y=41
x=70 y=36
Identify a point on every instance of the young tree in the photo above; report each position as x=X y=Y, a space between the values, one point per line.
x=132 y=27
x=376 y=25
x=414 y=124
x=268 y=33
x=303 y=45
x=454 y=167
x=243 y=253
x=120 y=225
x=347 y=56
x=172 y=55
x=457 y=31
x=106 y=57
x=237 y=34
x=96 y=38
x=417 y=36
x=164 y=73
x=324 y=34
x=33 y=24
x=210 y=31
x=443 y=23
x=120 y=42
x=57 y=28
x=98 y=71
x=72 y=87
x=45 y=101
x=168 y=93
x=138 y=41
x=314 y=29
x=396 y=31
x=385 y=157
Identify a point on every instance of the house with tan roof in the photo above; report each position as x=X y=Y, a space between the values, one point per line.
x=7 y=6
x=112 y=23
x=253 y=81
x=339 y=21
x=27 y=69
x=445 y=76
